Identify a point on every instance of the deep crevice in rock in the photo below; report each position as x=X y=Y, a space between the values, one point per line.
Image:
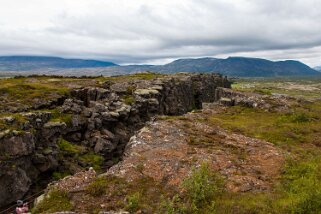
x=102 y=121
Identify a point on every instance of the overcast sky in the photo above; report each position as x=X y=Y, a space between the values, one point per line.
x=157 y=31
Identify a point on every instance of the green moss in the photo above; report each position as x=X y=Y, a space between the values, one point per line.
x=17 y=124
x=98 y=187
x=95 y=160
x=137 y=76
x=69 y=148
x=144 y=76
x=145 y=194
x=129 y=99
x=130 y=89
x=166 y=117
x=60 y=175
x=58 y=116
x=147 y=75
x=263 y=91
x=56 y=201
x=3 y=126
x=27 y=91
x=244 y=203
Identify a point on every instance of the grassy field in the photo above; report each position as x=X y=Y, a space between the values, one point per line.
x=18 y=94
x=22 y=93
x=298 y=189
x=309 y=88
x=298 y=134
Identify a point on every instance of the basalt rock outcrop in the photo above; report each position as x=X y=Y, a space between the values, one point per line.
x=100 y=120
x=277 y=102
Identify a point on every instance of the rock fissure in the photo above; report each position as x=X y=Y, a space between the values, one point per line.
x=94 y=123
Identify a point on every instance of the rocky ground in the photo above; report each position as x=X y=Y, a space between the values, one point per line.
x=168 y=149
x=185 y=145
x=90 y=124
x=165 y=152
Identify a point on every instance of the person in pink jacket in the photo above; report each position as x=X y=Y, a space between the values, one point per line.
x=22 y=208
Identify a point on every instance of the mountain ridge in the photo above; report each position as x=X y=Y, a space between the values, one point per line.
x=26 y=63
x=231 y=66
x=242 y=66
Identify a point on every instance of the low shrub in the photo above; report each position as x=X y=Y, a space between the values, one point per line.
x=200 y=192
x=202 y=187
x=133 y=202
x=301 y=118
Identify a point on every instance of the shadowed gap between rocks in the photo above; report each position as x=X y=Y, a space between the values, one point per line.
x=101 y=120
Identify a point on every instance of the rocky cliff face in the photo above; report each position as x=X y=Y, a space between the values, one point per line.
x=94 y=120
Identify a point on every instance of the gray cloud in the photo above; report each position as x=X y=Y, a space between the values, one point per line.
x=143 y=31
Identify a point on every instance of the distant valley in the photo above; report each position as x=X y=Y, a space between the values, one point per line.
x=232 y=66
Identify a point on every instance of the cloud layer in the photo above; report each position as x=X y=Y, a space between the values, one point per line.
x=145 y=31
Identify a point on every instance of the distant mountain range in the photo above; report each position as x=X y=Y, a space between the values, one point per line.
x=318 y=68
x=232 y=66
x=241 y=66
x=28 y=63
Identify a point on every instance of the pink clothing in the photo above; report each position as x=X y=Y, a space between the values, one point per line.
x=22 y=210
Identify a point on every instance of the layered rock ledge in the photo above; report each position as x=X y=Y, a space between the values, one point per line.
x=95 y=120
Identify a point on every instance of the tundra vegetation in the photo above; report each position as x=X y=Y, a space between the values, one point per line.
x=297 y=190
x=23 y=93
x=297 y=132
